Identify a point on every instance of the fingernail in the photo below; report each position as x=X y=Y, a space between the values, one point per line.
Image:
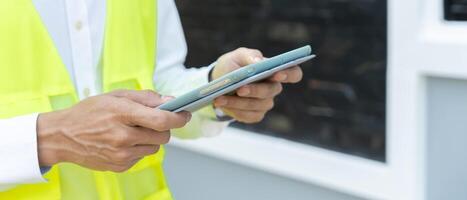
x=221 y=102
x=167 y=98
x=244 y=91
x=188 y=116
x=281 y=77
x=256 y=59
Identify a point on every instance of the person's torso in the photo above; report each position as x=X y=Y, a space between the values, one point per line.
x=77 y=29
x=34 y=78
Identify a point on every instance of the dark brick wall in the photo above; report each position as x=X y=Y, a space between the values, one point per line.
x=340 y=104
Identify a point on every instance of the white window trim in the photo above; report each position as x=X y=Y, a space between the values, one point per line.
x=291 y=159
x=436 y=30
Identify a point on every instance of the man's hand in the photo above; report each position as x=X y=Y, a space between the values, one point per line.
x=253 y=101
x=110 y=132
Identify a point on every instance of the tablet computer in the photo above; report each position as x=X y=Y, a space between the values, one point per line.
x=205 y=94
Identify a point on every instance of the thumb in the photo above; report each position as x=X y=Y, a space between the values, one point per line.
x=147 y=98
x=244 y=56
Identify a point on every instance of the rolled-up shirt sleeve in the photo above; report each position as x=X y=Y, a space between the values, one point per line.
x=171 y=77
x=18 y=152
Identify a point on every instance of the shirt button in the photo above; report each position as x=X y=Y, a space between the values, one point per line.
x=78 y=25
x=86 y=92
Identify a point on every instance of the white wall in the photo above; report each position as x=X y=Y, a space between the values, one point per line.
x=193 y=176
x=446 y=139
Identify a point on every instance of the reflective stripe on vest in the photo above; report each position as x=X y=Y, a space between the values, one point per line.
x=33 y=79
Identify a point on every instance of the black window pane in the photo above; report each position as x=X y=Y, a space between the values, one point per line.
x=455 y=10
x=340 y=104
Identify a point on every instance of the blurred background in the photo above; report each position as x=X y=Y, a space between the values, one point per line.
x=340 y=104
x=327 y=137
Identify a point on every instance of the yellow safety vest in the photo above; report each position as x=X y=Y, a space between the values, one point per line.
x=34 y=79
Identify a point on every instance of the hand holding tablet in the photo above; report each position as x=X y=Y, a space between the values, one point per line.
x=204 y=95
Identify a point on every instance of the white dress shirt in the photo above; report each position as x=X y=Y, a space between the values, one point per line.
x=77 y=29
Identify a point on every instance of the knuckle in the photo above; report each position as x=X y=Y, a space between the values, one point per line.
x=257 y=52
x=122 y=156
x=119 y=105
x=113 y=117
x=241 y=49
x=121 y=139
x=125 y=101
x=103 y=101
x=125 y=94
x=162 y=122
x=119 y=92
x=150 y=93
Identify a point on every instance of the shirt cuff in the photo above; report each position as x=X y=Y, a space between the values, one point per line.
x=18 y=151
x=211 y=125
x=205 y=122
x=217 y=120
x=220 y=115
